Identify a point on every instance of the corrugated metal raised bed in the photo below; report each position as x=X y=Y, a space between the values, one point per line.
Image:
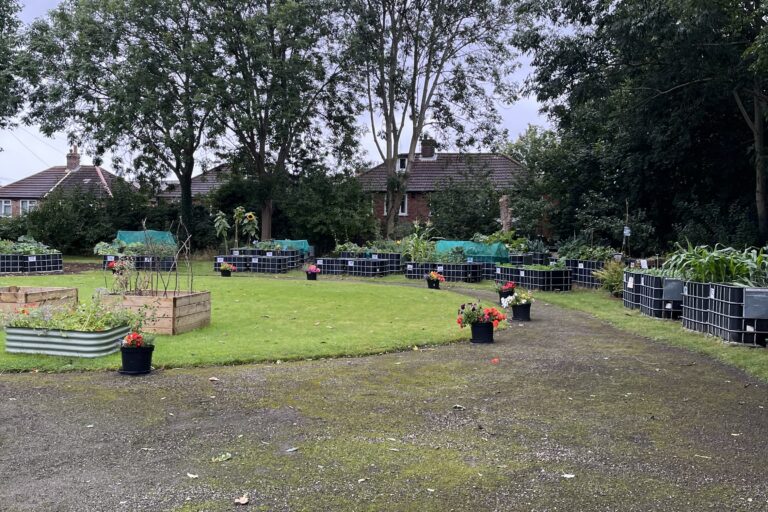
x=63 y=343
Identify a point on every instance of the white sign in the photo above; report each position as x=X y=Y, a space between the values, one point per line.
x=319 y=262
x=254 y=260
x=439 y=268
x=374 y=256
x=522 y=273
x=409 y=267
x=269 y=253
x=627 y=231
x=33 y=258
x=470 y=260
x=711 y=293
x=110 y=258
x=350 y=263
x=235 y=253
x=581 y=265
x=668 y=305
x=498 y=270
x=685 y=290
x=552 y=263
x=643 y=263
x=219 y=260
x=148 y=259
x=642 y=281
x=631 y=283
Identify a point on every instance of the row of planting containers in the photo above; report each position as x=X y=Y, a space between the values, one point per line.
x=556 y=279
x=455 y=272
x=733 y=313
x=293 y=257
x=261 y=260
x=393 y=261
x=145 y=262
x=581 y=272
x=42 y=263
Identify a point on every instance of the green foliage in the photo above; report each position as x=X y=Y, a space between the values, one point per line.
x=14 y=227
x=508 y=238
x=268 y=245
x=559 y=265
x=88 y=317
x=611 y=277
x=418 y=246
x=11 y=62
x=578 y=249
x=221 y=225
x=349 y=247
x=391 y=246
x=118 y=247
x=719 y=264
x=465 y=206
x=25 y=245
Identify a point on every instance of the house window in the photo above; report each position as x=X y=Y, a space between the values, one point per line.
x=27 y=205
x=402 y=165
x=403 y=205
x=6 y=208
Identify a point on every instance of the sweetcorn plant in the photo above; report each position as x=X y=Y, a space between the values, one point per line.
x=417 y=246
x=719 y=264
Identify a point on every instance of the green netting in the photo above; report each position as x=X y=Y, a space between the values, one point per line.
x=477 y=251
x=294 y=245
x=145 y=237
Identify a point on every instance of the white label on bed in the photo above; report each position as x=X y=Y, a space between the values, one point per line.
x=235 y=253
x=668 y=305
x=350 y=263
x=269 y=253
x=33 y=258
x=110 y=258
x=374 y=256
x=254 y=260
x=581 y=265
x=148 y=259
x=219 y=260
x=470 y=260
x=319 y=262
x=631 y=283
x=439 y=268
x=643 y=263
x=522 y=273
x=409 y=267
x=642 y=281
x=498 y=270
x=711 y=293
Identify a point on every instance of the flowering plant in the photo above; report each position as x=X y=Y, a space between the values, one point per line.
x=136 y=339
x=111 y=265
x=228 y=266
x=435 y=276
x=509 y=286
x=473 y=313
x=520 y=298
x=312 y=269
x=92 y=317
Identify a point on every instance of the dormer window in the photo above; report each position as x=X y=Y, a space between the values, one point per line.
x=402 y=164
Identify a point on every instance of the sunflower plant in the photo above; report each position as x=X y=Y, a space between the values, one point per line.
x=250 y=227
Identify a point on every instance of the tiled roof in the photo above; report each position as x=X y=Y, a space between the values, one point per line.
x=430 y=175
x=89 y=178
x=202 y=184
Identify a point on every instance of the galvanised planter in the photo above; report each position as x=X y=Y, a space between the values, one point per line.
x=56 y=342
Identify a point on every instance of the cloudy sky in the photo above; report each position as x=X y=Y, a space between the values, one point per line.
x=26 y=151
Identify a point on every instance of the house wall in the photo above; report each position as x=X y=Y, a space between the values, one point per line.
x=418 y=207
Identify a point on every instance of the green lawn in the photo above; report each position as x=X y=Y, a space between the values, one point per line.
x=269 y=318
x=601 y=305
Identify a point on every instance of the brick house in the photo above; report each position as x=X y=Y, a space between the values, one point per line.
x=202 y=184
x=432 y=171
x=24 y=195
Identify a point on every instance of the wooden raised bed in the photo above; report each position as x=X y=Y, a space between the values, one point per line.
x=174 y=313
x=15 y=297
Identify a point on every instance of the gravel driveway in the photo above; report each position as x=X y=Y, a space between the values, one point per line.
x=563 y=413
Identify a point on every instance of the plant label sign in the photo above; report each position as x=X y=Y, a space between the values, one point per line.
x=235 y=253
x=439 y=268
x=711 y=293
x=498 y=270
x=374 y=256
x=32 y=258
x=219 y=260
x=470 y=260
x=148 y=259
x=627 y=231
x=110 y=258
x=581 y=265
x=756 y=303
x=254 y=260
x=643 y=263
x=319 y=262
x=642 y=280
x=409 y=267
x=350 y=263
x=631 y=283
x=269 y=253
x=522 y=273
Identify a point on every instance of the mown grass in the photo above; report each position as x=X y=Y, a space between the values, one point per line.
x=602 y=306
x=265 y=318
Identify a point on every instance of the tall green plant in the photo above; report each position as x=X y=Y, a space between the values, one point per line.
x=417 y=246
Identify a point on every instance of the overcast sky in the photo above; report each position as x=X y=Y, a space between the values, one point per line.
x=26 y=151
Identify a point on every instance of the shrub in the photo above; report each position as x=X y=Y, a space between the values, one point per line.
x=611 y=277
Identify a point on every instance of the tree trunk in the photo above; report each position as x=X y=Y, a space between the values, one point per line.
x=506 y=214
x=185 y=184
x=266 y=220
x=759 y=133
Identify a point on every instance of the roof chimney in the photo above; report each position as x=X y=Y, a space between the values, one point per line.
x=73 y=159
x=428 y=147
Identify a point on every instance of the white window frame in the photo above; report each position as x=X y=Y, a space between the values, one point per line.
x=403 y=206
x=9 y=204
x=31 y=204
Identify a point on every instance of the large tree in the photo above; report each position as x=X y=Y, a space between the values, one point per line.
x=11 y=90
x=438 y=64
x=128 y=73
x=283 y=87
x=643 y=97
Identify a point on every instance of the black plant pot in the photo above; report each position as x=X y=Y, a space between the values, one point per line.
x=226 y=273
x=433 y=284
x=136 y=360
x=311 y=276
x=482 y=332
x=522 y=312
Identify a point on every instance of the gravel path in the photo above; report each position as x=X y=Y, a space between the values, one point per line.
x=563 y=413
